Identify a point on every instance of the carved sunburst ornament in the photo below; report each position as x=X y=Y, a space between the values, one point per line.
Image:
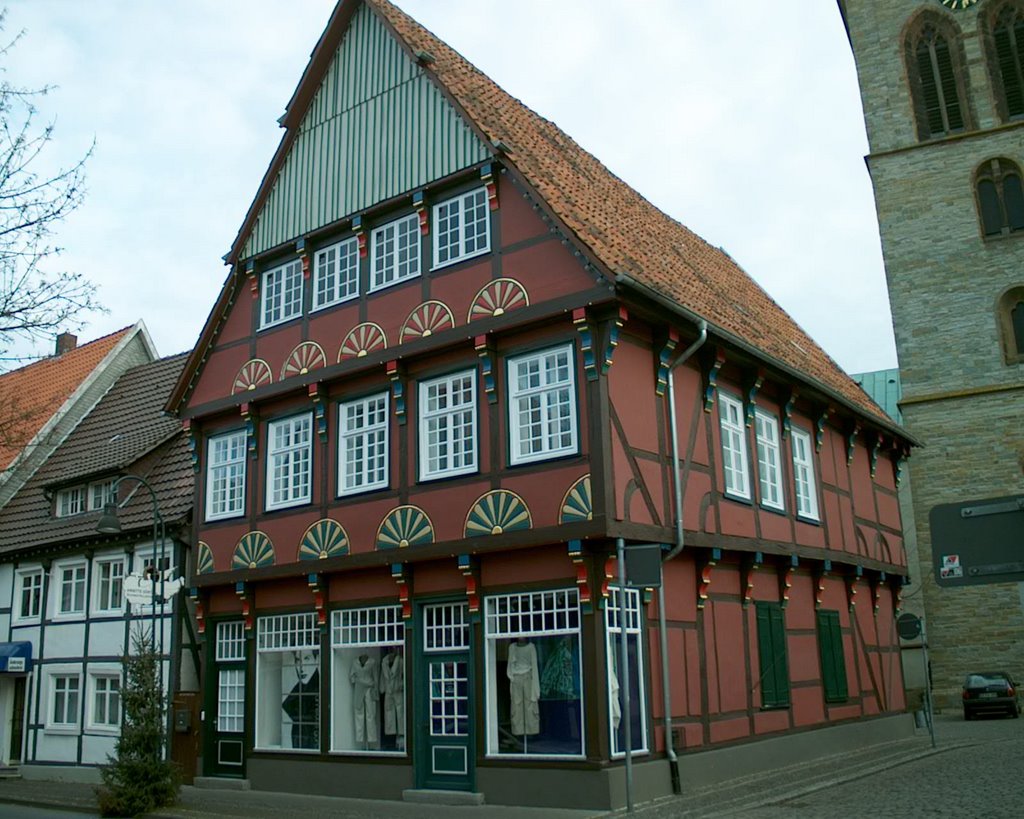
x=958 y=4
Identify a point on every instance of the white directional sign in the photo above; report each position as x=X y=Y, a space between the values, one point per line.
x=143 y=588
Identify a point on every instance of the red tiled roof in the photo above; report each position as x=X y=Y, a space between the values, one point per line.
x=29 y=396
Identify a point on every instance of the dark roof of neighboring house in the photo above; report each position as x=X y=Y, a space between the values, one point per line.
x=126 y=431
x=30 y=395
x=623 y=232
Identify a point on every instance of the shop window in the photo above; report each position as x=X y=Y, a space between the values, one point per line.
x=448 y=426
x=71 y=589
x=30 y=594
x=734 y=447
x=1006 y=52
x=65 y=691
x=225 y=476
x=396 y=252
x=542 y=405
x=288 y=683
x=363 y=445
x=109 y=584
x=833 y=660
x=805 y=487
x=769 y=465
x=337 y=274
x=462 y=228
x=633 y=625
x=105 y=701
x=1000 y=198
x=771 y=645
x=281 y=294
x=935 y=68
x=368 y=680
x=534 y=687
x=289 y=457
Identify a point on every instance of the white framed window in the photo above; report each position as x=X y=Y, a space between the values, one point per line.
x=533 y=683
x=29 y=603
x=70 y=501
x=281 y=294
x=363 y=444
x=803 y=475
x=734 y=446
x=230 y=647
x=105 y=701
x=225 y=475
x=462 y=228
x=769 y=461
x=395 y=256
x=337 y=273
x=230 y=641
x=99 y=493
x=368 y=680
x=288 y=682
x=630 y=618
x=542 y=405
x=65 y=700
x=70 y=582
x=447 y=429
x=108 y=577
x=289 y=461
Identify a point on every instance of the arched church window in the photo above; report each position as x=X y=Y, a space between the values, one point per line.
x=1000 y=197
x=1005 y=39
x=937 y=77
x=1010 y=315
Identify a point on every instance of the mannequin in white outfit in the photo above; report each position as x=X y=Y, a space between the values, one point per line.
x=524 y=687
x=365 y=699
x=392 y=685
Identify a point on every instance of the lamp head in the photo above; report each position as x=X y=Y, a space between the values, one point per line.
x=109 y=523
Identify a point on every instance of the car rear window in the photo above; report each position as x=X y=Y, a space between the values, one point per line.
x=978 y=680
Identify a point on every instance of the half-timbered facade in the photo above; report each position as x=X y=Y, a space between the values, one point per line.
x=434 y=393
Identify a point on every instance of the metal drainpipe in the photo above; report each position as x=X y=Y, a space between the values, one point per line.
x=673 y=760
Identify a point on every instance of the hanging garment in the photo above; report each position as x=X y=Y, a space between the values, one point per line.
x=614 y=696
x=365 y=699
x=392 y=684
x=524 y=688
x=558 y=680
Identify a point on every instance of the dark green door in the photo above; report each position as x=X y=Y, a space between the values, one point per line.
x=224 y=734
x=444 y=703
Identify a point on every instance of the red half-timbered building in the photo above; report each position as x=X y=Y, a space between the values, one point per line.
x=449 y=369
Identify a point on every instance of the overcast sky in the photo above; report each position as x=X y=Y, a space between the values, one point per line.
x=740 y=119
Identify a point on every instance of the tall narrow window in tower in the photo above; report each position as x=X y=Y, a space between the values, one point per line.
x=1007 y=43
x=935 y=69
x=1010 y=316
x=1000 y=198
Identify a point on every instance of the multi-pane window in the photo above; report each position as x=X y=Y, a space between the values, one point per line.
x=1008 y=40
x=225 y=476
x=1000 y=198
x=806 y=489
x=71 y=501
x=933 y=63
x=282 y=294
x=534 y=687
x=461 y=227
x=100 y=493
x=774 y=665
x=106 y=701
x=337 y=273
x=65 y=690
x=288 y=682
x=289 y=459
x=71 y=589
x=769 y=465
x=542 y=405
x=368 y=680
x=30 y=594
x=833 y=660
x=631 y=622
x=230 y=641
x=734 y=446
x=448 y=426
x=363 y=444
x=109 y=574
x=396 y=252
x=230 y=647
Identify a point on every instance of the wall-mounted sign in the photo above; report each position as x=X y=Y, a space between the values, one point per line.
x=148 y=587
x=15 y=664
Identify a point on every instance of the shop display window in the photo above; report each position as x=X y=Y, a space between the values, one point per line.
x=368 y=680
x=534 y=686
x=288 y=683
x=633 y=622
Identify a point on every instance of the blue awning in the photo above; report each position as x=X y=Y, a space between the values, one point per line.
x=16 y=658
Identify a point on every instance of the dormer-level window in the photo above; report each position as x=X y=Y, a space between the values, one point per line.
x=461 y=228
x=99 y=493
x=396 y=252
x=282 y=294
x=71 y=501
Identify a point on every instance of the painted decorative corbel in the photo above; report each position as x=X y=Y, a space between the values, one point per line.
x=876 y=446
x=609 y=576
x=750 y=564
x=614 y=327
x=245 y=595
x=786 y=579
x=401 y=577
x=193 y=593
x=822 y=572
x=360 y=232
x=753 y=384
x=819 y=429
x=300 y=249
x=316 y=395
x=491 y=184
x=193 y=443
x=705 y=564
x=316 y=586
x=668 y=350
x=582 y=325
x=419 y=202
x=582 y=581
x=851 y=441
x=877 y=584
x=787 y=411
x=254 y=280
x=713 y=364
x=851 y=587
x=252 y=423
x=472 y=595
x=897 y=593
x=397 y=390
x=485 y=351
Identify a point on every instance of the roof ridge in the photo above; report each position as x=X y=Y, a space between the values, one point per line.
x=78 y=348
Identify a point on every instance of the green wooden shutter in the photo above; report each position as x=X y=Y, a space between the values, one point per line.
x=771 y=644
x=833 y=661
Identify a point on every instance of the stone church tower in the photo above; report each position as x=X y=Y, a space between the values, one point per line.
x=942 y=85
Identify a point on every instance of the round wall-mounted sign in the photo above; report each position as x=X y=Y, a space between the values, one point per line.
x=908 y=626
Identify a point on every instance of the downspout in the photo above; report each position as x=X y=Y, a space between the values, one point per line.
x=676 y=549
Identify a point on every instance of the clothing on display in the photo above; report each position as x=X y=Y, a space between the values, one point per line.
x=614 y=694
x=302 y=703
x=558 y=680
x=365 y=698
x=392 y=685
x=524 y=688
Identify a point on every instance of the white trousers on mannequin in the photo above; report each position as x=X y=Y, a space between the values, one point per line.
x=364 y=710
x=525 y=710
